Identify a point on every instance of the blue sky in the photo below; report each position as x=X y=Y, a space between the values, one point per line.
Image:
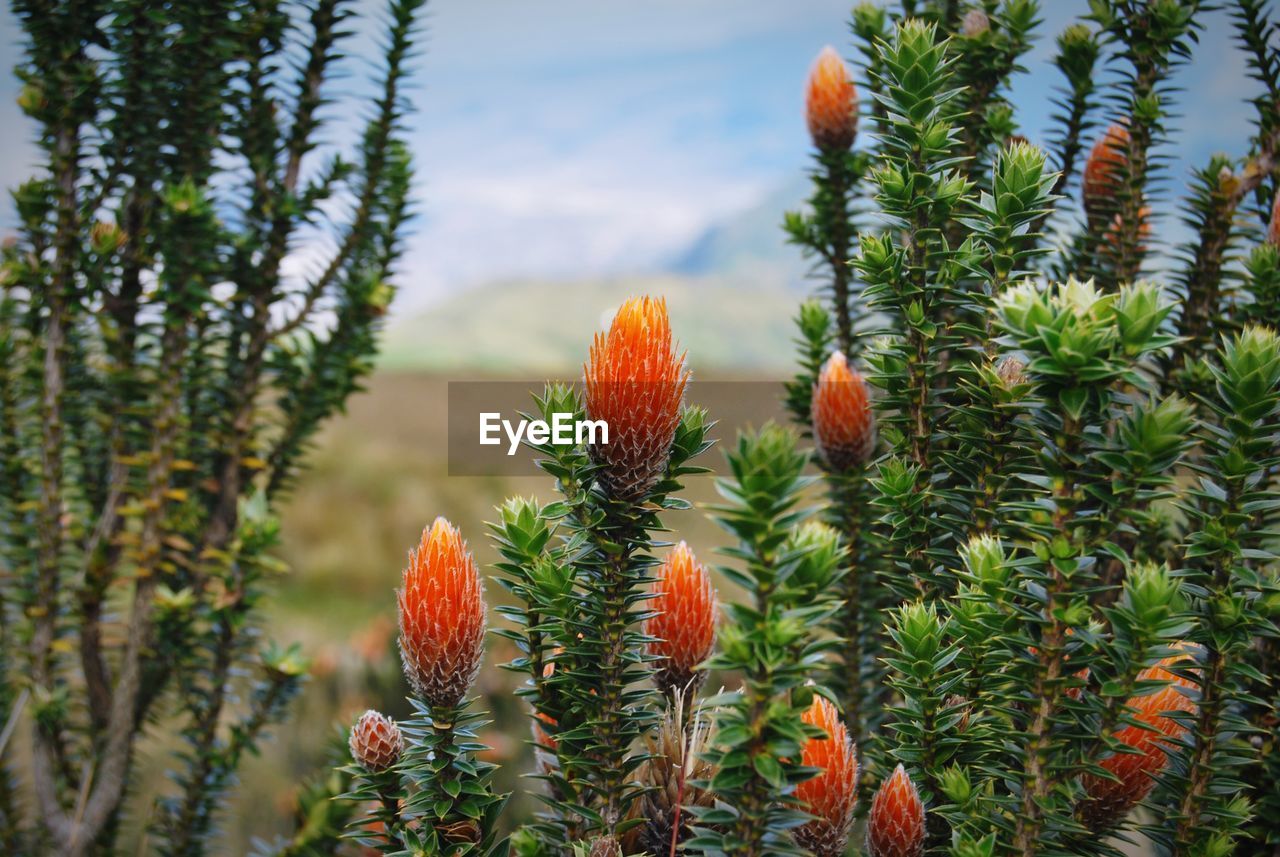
x=574 y=138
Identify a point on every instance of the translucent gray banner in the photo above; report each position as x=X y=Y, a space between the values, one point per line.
x=489 y=420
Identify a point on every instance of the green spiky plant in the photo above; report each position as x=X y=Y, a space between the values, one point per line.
x=161 y=375
x=581 y=568
x=1065 y=517
x=1063 y=489
x=790 y=573
x=1041 y=584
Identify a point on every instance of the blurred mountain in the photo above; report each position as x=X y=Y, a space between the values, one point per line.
x=732 y=294
x=528 y=328
x=751 y=240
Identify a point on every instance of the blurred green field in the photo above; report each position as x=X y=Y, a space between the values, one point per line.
x=736 y=323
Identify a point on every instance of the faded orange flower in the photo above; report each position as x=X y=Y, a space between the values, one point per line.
x=831 y=103
x=830 y=795
x=895 y=825
x=635 y=382
x=442 y=617
x=684 y=620
x=843 y=425
x=1110 y=800
x=1112 y=237
x=376 y=742
x=1273 y=228
x=1102 y=170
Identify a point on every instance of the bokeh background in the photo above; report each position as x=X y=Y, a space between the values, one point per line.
x=569 y=153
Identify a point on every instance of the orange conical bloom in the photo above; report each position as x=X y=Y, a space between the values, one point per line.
x=843 y=425
x=831 y=794
x=442 y=617
x=684 y=620
x=831 y=103
x=1109 y=800
x=1102 y=171
x=635 y=382
x=895 y=825
x=1273 y=228
x=376 y=742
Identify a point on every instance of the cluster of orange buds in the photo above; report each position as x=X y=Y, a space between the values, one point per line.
x=831 y=103
x=843 y=425
x=635 y=381
x=895 y=824
x=830 y=796
x=1109 y=799
x=376 y=742
x=1103 y=170
x=442 y=617
x=683 y=623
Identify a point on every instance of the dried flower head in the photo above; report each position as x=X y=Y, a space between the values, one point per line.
x=675 y=762
x=1110 y=800
x=1012 y=372
x=895 y=824
x=684 y=620
x=1103 y=169
x=635 y=382
x=106 y=238
x=831 y=103
x=604 y=846
x=831 y=795
x=956 y=702
x=975 y=23
x=442 y=617
x=843 y=425
x=376 y=742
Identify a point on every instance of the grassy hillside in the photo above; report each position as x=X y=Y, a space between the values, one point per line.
x=531 y=327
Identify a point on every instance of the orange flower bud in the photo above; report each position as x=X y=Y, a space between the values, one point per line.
x=1109 y=800
x=684 y=620
x=831 y=794
x=635 y=382
x=376 y=742
x=831 y=103
x=843 y=425
x=442 y=617
x=895 y=825
x=1102 y=171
